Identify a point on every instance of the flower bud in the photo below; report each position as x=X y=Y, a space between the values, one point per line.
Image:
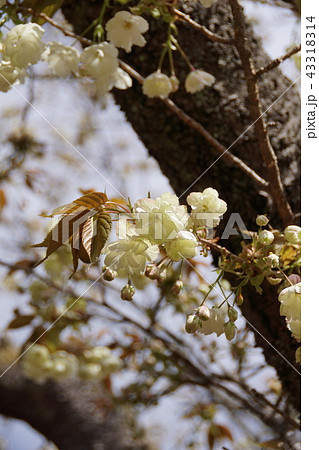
x=265 y=237
x=109 y=274
x=239 y=300
x=294 y=278
x=177 y=287
x=127 y=292
x=203 y=313
x=192 y=324
x=230 y=330
x=151 y=272
x=232 y=314
x=293 y=234
x=262 y=220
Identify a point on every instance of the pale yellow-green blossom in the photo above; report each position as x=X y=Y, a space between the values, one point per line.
x=62 y=60
x=290 y=299
x=160 y=220
x=157 y=84
x=130 y=256
x=197 y=80
x=183 y=246
x=9 y=76
x=23 y=45
x=215 y=323
x=293 y=234
x=125 y=30
x=207 y=207
x=99 y=60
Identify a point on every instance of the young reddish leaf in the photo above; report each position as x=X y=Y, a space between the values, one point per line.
x=67 y=230
x=88 y=201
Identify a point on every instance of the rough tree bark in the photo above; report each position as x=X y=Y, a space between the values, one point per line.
x=72 y=415
x=183 y=155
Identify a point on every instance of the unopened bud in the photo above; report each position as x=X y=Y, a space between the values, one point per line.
x=151 y=272
x=265 y=237
x=239 y=300
x=294 y=278
x=127 y=292
x=192 y=324
x=230 y=330
x=109 y=274
x=203 y=313
x=262 y=220
x=177 y=287
x=232 y=314
x=161 y=276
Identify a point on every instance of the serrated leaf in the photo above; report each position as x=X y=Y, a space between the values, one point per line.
x=95 y=233
x=20 y=321
x=93 y=200
x=67 y=230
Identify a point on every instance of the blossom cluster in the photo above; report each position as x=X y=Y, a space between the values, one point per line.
x=290 y=307
x=159 y=226
x=219 y=320
x=23 y=47
x=40 y=365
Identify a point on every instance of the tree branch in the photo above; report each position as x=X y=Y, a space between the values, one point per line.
x=277 y=61
x=269 y=157
x=211 y=36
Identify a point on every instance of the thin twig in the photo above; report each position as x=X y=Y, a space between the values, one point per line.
x=276 y=188
x=275 y=63
x=211 y=36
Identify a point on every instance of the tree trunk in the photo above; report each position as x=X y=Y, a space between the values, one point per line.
x=70 y=414
x=183 y=154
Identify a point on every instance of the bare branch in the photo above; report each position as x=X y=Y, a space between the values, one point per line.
x=275 y=63
x=276 y=188
x=211 y=36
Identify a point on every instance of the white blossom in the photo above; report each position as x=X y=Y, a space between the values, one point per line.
x=62 y=60
x=293 y=234
x=196 y=80
x=215 y=324
x=64 y=365
x=157 y=84
x=99 y=60
x=23 y=45
x=9 y=75
x=37 y=363
x=183 y=246
x=207 y=207
x=161 y=219
x=129 y=256
x=295 y=327
x=290 y=299
x=126 y=29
